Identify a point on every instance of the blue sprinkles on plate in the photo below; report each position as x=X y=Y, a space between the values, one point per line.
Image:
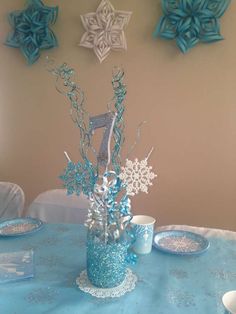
x=19 y=226
x=180 y=242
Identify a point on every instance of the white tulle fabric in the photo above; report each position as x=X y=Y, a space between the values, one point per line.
x=55 y=206
x=127 y=285
x=12 y=200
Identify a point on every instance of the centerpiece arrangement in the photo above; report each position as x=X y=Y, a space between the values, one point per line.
x=107 y=185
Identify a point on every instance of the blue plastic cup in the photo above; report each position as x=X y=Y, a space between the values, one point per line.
x=143 y=228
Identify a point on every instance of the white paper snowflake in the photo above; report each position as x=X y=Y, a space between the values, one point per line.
x=137 y=175
x=105 y=29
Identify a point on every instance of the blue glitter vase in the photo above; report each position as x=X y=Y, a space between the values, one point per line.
x=106 y=262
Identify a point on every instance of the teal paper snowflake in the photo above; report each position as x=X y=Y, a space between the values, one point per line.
x=31 y=31
x=191 y=21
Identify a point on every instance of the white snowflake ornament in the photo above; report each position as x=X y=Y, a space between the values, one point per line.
x=137 y=176
x=104 y=29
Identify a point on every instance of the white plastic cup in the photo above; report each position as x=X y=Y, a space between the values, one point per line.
x=143 y=228
x=229 y=301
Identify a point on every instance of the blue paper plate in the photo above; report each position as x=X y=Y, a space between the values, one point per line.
x=180 y=242
x=19 y=226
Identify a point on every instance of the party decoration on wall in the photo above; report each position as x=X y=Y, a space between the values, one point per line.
x=137 y=175
x=31 y=29
x=191 y=21
x=105 y=30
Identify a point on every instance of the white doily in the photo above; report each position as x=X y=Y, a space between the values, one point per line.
x=126 y=286
x=137 y=175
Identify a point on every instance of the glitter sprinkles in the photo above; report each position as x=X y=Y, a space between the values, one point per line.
x=106 y=263
x=50 y=261
x=178 y=273
x=224 y=275
x=181 y=298
x=42 y=295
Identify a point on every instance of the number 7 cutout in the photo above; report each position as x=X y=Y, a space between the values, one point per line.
x=107 y=121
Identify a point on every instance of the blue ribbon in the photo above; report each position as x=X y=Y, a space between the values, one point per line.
x=110 y=210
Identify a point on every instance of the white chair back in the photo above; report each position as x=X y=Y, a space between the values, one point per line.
x=12 y=200
x=55 y=206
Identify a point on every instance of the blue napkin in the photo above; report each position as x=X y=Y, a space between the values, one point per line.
x=16 y=266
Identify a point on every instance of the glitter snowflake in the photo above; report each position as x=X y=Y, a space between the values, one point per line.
x=79 y=177
x=137 y=176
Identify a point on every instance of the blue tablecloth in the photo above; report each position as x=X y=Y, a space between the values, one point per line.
x=167 y=284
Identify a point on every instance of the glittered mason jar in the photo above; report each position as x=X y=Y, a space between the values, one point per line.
x=106 y=262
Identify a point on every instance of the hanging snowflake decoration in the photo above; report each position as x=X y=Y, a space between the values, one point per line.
x=104 y=30
x=31 y=30
x=137 y=176
x=191 y=21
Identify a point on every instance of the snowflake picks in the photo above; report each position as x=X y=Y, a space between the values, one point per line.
x=137 y=175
